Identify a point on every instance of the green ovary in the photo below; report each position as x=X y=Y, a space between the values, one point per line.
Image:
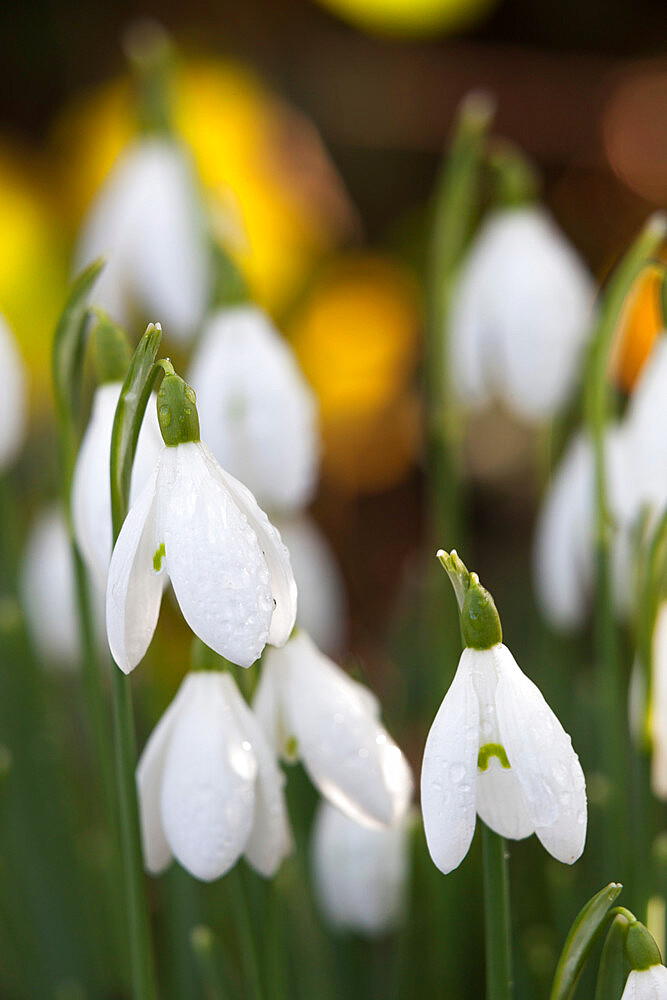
x=490 y=750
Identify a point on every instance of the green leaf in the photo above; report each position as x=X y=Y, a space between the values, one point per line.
x=140 y=380
x=583 y=934
x=614 y=965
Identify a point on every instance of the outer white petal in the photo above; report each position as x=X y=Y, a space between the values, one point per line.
x=541 y=755
x=467 y=341
x=283 y=587
x=212 y=555
x=208 y=797
x=659 y=706
x=150 y=772
x=346 y=751
x=449 y=771
x=647 y=984
x=270 y=839
x=134 y=589
x=322 y=609
x=360 y=872
x=646 y=428
x=256 y=411
x=14 y=396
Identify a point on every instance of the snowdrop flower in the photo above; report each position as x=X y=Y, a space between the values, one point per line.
x=322 y=601
x=360 y=872
x=645 y=426
x=256 y=409
x=208 y=784
x=312 y=711
x=520 y=315
x=148 y=220
x=495 y=748
x=658 y=715
x=49 y=595
x=195 y=523
x=648 y=976
x=14 y=393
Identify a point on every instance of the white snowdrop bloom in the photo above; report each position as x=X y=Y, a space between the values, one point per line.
x=195 y=523
x=91 y=491
x=496 y=749
x=313 y=711
x=520 y=316
x=360 y=872
x=658 y=715
x=149 y=222
x=14 y=393
x=645 y=428
x=646 y=984
x=209 y=786
x=257 y=413
x=48 y=593
x=322 y=609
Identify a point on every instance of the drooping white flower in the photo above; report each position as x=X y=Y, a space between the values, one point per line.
x=646 y=984
x=313 y=711
x=48 y=593
x=658 y=714
x=496 y=749
x=322 y=601
x=645 y=429
x=360 y=872
x=14 y=392
x=257 y=412
x=91 y=492
x=209 y=786
x=149 y=222
x=520 y=315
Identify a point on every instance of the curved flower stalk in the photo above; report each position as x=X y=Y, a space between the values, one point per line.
x=202 y=528
x=49 y=595
x=148 y=220
x=312 y=711
x=322 y=611
x=360 y=872
x=14 y=392
x=496 y=749
x=91 y=497
x=208 y=784
x=520 y=316
x=257 y=411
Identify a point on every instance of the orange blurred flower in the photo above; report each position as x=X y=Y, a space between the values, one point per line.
x=640 y=323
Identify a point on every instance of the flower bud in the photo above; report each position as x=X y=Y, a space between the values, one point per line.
x=177 y=410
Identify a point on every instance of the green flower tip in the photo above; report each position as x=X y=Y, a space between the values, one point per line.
x=477 y=109
x=480 y=621
x=202 y=939
x=176 y=408
x=640 y=947
x=516 y=181
x=111 y=349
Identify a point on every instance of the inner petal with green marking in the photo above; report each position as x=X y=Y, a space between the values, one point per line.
x=158 y=556
x=490 y=750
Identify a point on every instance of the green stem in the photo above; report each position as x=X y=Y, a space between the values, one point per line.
x=497 y=918
x=249 y=956
x=206 y=948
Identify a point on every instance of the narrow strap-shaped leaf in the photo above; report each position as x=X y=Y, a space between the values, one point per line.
x=614 y=966
x=134 y=395
x=583 y=934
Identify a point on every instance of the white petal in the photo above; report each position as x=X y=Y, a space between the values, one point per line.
x=541 y=755
x=659 y=706
x=267 y=707
x=14 y=396
x=150 y=772
x=647 y=984
x=467 y=327
x=134 y=590
x=360 y=872
x=283 y=587
x=270 y=839
x=646 y=428
x=213 y=557
x=346 y=751
x=449 y=772
x=500 y=802
x=208 y=798
x=256 y=411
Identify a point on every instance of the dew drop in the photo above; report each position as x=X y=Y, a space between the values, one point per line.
x=458 y=772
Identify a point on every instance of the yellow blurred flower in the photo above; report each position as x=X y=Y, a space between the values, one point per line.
x=260 y=162
x=409 y=17
x=357 y=338
x=640 y=323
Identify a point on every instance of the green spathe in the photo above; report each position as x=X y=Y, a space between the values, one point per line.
x=640 y=947
x=177 y=409
x=480 y=622
x=111 y=349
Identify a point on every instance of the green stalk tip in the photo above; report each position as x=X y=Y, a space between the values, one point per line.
x=480 y=621
x=176 y=408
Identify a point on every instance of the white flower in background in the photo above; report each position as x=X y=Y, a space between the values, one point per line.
x=258 y=414
x=520 y=316
x=91 y=490
x=14 y=396
x=195 y=523
x=658 y=714
x=645 y=425
x=312 y=711
x=149 y=222
x=496 y=749
x=322 y=611
x=208 y=784
x=48 y=593
x=360 y=872
x=646 y=984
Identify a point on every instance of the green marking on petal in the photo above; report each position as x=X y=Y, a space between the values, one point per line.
x=292 y=746
x=490 y=750
x=158 y=557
